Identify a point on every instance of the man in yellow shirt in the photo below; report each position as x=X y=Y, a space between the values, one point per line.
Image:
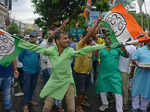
x=83 y=68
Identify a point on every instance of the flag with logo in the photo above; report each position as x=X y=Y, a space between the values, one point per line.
x=8 y=48
x=124 y=25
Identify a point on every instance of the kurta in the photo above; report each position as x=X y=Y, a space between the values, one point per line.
x=141 y=79
x=109 y=78
x=61 y=76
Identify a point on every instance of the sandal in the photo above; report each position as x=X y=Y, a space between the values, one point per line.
x=103 y=107
x=85 y=103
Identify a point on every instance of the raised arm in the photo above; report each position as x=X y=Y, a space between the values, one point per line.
x=91 y=31
x=60 y=28
x=88 y=49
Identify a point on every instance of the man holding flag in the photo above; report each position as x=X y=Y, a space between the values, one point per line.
x=126 y=30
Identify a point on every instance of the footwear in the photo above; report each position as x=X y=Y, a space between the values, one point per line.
x=19 y=94
x=25 y=109
x=79 y=109
x=85 y=103
x=103 y=107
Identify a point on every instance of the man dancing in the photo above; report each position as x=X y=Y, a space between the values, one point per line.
x=61 y=83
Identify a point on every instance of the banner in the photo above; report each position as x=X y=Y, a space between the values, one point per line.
x=124 y=25
x=77 y=32
x=94 y=16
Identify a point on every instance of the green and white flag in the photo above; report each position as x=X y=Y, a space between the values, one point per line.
x=9 y=49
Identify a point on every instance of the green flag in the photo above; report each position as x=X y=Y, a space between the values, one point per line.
x=9 y=49
x=113 y=39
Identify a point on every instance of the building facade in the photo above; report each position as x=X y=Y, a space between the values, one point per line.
x=5 y=6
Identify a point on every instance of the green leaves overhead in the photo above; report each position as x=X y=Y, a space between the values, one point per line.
x=54 y=11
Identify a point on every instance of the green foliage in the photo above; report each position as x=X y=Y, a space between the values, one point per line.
x=13 y=28
x=51 y=11
x=80 y=19
x=102 y=5
x=55 y=1
x=28 y=31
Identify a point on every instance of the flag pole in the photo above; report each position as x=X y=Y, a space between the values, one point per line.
x=141 y=14
x=146 y=15
x=142 y=19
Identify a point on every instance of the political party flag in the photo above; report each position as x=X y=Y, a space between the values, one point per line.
x=124 y=25
x=8 y=48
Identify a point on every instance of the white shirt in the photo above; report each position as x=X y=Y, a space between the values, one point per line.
x=124 y=62
x=44 y=61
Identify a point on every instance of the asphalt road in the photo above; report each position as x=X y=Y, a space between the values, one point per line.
x=93 y=100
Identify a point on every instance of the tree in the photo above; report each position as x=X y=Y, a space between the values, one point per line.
x=102 y=5
x=52 y=11
x=13 y=28
x=55 y=10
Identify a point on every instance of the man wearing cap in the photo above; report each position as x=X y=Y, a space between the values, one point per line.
x=31 y=68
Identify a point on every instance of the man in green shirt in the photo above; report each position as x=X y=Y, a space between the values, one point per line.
x=61 y=83
x=109 y=79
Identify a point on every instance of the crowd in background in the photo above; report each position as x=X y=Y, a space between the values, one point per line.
x=111 y=70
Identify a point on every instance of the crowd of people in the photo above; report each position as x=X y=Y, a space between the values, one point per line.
x=69 y=68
